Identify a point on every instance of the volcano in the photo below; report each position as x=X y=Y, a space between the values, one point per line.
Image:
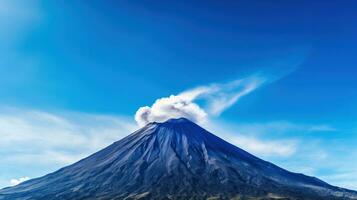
x=176 y=159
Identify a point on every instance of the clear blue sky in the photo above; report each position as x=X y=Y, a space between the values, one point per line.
x=111 y=58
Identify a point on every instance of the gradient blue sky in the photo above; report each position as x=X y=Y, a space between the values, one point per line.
x=84 y=62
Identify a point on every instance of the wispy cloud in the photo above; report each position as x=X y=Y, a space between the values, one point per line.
x=322 y=161
x=253 y=140
x=268 y=139
x=339 y=167
x=345 y=178
x=53 y=140
x=277 y=127
x=265 y=147
x=217 y=98
x=41 y=133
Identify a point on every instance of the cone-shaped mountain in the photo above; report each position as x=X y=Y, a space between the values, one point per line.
x=176 y=159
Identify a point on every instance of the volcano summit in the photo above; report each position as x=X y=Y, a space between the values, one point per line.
x=176 y=159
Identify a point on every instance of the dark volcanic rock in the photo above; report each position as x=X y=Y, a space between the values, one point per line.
x=176 y=159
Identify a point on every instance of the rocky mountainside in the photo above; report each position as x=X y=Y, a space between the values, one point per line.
x=176 y=159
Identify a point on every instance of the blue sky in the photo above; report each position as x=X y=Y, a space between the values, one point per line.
x=74 y=73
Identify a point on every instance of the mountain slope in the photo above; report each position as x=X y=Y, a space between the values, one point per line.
x=176 y=159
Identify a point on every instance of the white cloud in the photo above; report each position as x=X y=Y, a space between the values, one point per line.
x=247 y=137
x=268 y=139
x=326 y=163
x=277 y=127
x=170 y=107
x=50 y=132
x=223 y=96
x=265 y=147
x=322 y=128
x=346 y=179
x=53 y=140
x=217 y=97
x=14 y=182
